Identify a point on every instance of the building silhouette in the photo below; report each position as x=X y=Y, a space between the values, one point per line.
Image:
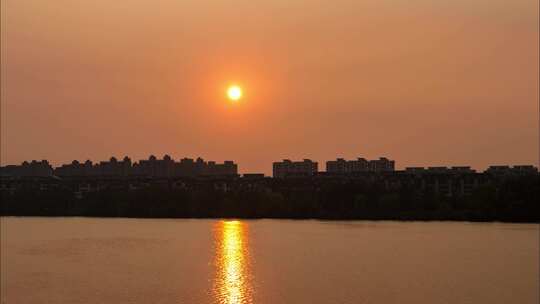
x=440 y=170
x=342 y=166
x=151 y=167
x=33 y=168
x=167 y=167
x=515 y=170
x=111 y=168
x=287 y=168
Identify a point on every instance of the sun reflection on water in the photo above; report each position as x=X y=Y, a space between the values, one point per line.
x=232 y=281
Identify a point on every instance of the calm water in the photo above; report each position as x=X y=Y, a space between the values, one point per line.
x=79 y=260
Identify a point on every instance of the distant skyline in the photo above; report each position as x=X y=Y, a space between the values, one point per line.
x=336 y=165
x=426 y=83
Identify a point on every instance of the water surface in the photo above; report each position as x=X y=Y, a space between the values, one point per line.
x=90 y=260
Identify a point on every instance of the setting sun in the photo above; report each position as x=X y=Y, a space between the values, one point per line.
x=234 y=93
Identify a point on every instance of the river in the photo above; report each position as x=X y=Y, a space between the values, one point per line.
x=97 y=260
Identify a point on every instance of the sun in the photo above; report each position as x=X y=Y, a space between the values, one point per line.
x=234 y=93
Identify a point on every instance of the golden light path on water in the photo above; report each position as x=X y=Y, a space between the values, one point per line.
x=232 y=282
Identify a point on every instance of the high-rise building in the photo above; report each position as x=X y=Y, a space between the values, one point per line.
x=294 y=168
x=382 y=164
x=342 y=166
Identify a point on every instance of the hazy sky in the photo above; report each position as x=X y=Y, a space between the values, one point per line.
x=424 y=82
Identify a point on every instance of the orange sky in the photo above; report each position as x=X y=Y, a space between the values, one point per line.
x=425 y=82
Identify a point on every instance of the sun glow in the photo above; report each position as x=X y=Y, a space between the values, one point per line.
x=234 y=93
x=232 y=284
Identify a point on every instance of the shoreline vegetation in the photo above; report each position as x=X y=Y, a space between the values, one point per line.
x=514 y=199
x=278 y=218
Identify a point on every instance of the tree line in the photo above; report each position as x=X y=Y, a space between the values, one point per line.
x=513 y=200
